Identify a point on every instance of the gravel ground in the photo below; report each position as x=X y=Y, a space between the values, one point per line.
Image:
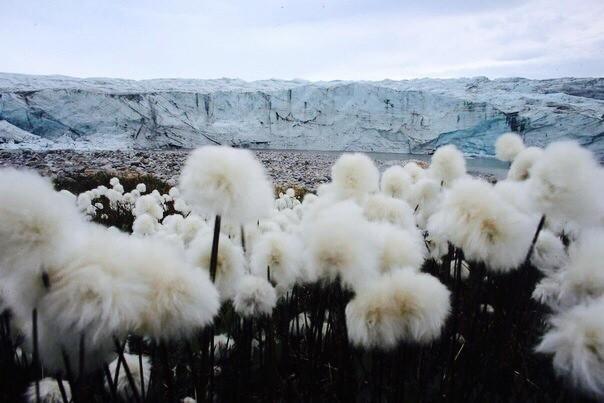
x=287 y=168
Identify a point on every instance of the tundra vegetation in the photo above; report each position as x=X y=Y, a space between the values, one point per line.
x=416 y=284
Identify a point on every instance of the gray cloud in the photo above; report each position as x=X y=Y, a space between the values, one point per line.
x=313 y=39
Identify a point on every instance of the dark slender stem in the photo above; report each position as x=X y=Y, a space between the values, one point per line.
x=112 y=387
x=535 y=237
x=62 y=389
x=45 y=280
x=140 y=368
x=214 y=256
x=127 y=370
x=120 y=351
x=36 y=357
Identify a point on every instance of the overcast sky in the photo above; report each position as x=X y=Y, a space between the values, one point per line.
x=310 y=39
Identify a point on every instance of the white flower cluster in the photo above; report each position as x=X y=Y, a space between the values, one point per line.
x=562 y=182
x=370 y=234
x=287 y=200
x=89 y=281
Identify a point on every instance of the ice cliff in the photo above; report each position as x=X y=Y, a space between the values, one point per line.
x=393 y=116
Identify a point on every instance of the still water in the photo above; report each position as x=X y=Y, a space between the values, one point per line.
x=475 y=165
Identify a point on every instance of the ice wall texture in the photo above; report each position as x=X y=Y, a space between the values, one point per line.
x=412 y=116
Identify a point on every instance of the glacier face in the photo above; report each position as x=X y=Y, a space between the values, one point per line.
x=412 y=116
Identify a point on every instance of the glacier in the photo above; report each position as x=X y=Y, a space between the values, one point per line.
x=408 y=116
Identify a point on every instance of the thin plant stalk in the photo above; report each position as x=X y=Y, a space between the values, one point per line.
x=36 y=354
x=62 y=389
x=112 y=386
x=535 y=237
x=129 y=376
x=214 y=256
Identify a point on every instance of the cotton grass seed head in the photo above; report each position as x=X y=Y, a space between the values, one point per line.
x=181 y=298
x=255 y=297
x=123 y=386
x=279 y=253
x=473 y=218
x=93 y=291
x=34 y=220
x=144 y=225
x=549 y=254
x=508 y=146
x=230 y=266
x=338 y=244
x=173 y=223
x=398 y=247
x=576 y=340
x=447 y=165
x=50 y=391
x=399 y=306
x=524 y=161
x=382 y=208
x=148 y=204
x=354 y=176
x=566 y=182
x=191 y=226
x=583 y=276
x=415 y=171
x=517 y=194
x=396 y=182
x=227 y=182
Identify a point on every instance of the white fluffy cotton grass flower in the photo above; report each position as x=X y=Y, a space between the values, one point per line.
x=401 y=306
x=181 y=298
x=148 y=204
x=279 y=254
x=508 y=146
x=230 y=266
x=92 y=291
x=425 y=199
x=143 y=286
x=338 y=244
x=583 y=276
x=173 y=223
x=228 y=182
x=415 y=171
x=34 y=220
x=516 y=194
x=396 y=182
x=398 y=247
x=382 y=208
x=576 y=340
x=123 y=385
x=191 y=226
x=437 y=246
x=473 y=218
x=50 y=392
x=354 y=176
x=35 y=223
x=181 y=206
x=549 y=253
x=447 y=165
x=566 y=182
x=255 y=296
x=524 y=161
x=144 y=225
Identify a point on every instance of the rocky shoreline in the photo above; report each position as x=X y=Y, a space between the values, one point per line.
x=287 y=168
